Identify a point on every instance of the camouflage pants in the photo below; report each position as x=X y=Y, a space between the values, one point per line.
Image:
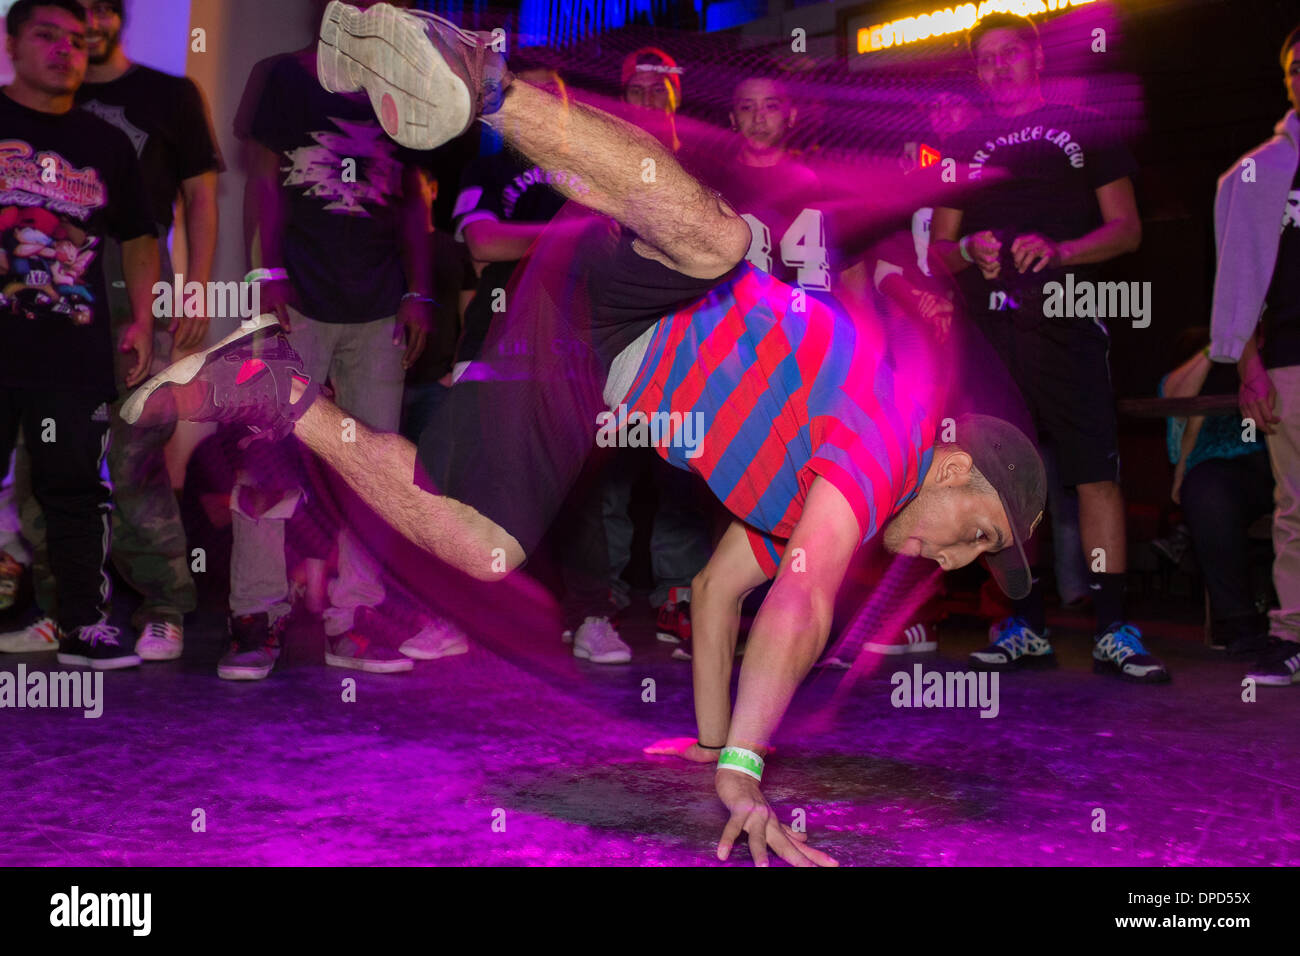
x=148 y=545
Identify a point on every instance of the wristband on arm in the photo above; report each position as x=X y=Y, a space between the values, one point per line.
x=266 y=275
x=964 y=247
x=742 y=761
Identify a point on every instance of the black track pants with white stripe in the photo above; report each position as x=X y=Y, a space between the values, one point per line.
x=66 y=434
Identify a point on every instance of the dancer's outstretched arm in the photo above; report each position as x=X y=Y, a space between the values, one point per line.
x=788 y=636
x=629 y=175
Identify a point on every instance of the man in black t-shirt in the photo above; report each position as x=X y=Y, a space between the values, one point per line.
x=68 y=182
x=165 y=120
x=773 y=192
x=1050 y=197
x=343 y=250
x=503 y=205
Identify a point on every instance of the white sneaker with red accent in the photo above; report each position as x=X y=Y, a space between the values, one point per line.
x=43 y=635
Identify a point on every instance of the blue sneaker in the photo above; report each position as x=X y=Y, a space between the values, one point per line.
x=1014 y=644
x=1118 y=650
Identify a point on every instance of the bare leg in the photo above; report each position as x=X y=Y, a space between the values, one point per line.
x=379 y=466
x=629 y=176
x=1101 y=521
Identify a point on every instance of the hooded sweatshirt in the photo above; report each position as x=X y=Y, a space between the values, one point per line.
x=1248 y=208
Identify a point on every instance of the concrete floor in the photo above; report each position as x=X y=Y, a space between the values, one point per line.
x=416 y=769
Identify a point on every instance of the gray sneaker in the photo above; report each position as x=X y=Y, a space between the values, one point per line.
x=598 y=642
x=245 y=379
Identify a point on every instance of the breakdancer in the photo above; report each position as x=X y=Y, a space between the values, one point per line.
x=811 y=426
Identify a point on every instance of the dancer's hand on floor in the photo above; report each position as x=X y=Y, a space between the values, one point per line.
x=752 y=814
x=688 y=748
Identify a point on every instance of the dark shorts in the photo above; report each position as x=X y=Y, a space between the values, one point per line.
x=512 y=435
x=1062 y=369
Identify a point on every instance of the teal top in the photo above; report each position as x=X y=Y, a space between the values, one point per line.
x=1220 y=437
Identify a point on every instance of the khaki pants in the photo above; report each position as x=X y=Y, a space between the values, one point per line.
x=365 y=368
x=1284 y=452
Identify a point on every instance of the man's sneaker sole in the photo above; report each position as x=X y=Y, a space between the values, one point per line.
x=419 y=100
x=667 y=637
x=1031 y=662
x=395 y=666
x=449 y=650
x=613 y=657
x=159 y=652
x=1111 y=669
x=237 y=672
x=183 y=372
x=29 y=646
x=100 y=664
x=1275 y=680
x=921 y=647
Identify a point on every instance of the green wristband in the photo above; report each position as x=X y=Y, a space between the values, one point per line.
x=741 y=760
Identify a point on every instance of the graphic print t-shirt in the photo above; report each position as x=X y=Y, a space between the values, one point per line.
x=67 y=182
x=1282 y=304
x=164 y=118
x=341 y=177
x=1036 y=173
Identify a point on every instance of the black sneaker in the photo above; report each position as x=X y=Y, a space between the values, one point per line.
x=244 y=379
x=1279 y=664
x=96 y=646
x=1119 y=651
x=254 y=646
x=426 y=77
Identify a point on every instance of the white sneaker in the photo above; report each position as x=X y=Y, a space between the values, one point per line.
x=415 y=83
x=917 y=639
x=598 y=642
x=41 y=636
x=160 y=641
x=438 y=638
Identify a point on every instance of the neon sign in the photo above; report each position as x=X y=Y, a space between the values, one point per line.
x=958 y=19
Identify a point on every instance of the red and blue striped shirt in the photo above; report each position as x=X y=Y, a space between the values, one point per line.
x=788 y=388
